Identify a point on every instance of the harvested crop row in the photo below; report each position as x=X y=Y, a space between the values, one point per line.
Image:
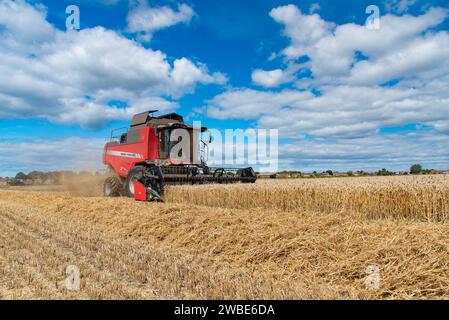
x=116 y=266
x=201 y=252
x=422 y=198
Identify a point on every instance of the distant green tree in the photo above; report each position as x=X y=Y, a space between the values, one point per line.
x=21 y=176
x=15 y=182
x=416 y=169
x=330 y=172
x=384 y=172
x=35 y=175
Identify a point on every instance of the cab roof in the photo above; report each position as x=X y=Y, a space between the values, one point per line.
x=166 y=120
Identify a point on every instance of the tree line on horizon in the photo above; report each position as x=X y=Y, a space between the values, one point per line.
x=51 y=177
x=414 y=170
x=55 y=177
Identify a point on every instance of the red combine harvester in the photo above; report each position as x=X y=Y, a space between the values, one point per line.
x=149 y=156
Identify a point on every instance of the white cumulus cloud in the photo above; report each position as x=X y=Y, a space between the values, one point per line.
x=72 y=77
x=332 y=49
x=399 y=6
x=145 y=20
x=361 y=82
x=272 y=78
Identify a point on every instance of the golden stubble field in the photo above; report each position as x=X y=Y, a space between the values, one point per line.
x=283 y=239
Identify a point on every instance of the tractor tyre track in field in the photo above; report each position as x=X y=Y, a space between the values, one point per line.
x=46 y=257
x=111 y=267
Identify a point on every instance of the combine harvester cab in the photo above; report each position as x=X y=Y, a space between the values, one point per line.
x=141 y=160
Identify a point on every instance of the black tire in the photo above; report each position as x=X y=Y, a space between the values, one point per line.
x=133 y=174
x=112 y=187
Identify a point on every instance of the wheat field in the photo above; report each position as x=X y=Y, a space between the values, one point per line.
x=282 y=239
x=424 y=198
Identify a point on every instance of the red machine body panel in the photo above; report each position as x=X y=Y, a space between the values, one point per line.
x=145 y=146
x=140 y=192
x=123 y=157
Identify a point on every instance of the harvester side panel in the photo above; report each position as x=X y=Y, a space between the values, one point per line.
x=123 y=157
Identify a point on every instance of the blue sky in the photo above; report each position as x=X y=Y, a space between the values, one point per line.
x=343 y=97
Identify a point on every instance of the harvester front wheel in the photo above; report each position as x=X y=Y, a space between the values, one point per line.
x=135 y=173
x=112 y=187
